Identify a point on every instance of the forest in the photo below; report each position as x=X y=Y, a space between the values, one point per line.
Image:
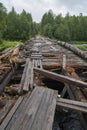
x=21 y=27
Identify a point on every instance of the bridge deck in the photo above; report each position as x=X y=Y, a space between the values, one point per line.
x=34 y=113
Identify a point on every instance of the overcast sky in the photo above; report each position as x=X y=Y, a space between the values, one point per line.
x=38 y=7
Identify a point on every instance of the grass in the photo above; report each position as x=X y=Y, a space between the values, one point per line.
x=6 y=44
x=83 y=48
x=80 y=44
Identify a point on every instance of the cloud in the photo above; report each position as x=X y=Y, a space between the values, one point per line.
x=38 y=7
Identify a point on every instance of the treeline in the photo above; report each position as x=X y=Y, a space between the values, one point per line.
x=68 y=28
x=14 y=26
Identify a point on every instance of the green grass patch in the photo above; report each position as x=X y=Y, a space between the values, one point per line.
x=80 y=44
x=6 y=44
x=83 y=48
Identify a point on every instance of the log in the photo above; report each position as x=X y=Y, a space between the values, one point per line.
x=75 y=90
x=73 y=49
x=61 y=78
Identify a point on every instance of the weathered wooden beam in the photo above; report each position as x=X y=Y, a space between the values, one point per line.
x=36 y=113
x=31 y=75
x=71 y=104
x=40 y=64
x=62 y=78
x=10 y=114
x=26 y=77
x=6 y=81
x=5 y=110
x=75 y=90
x=77 y=94
x=68 y=90
x=64 y=62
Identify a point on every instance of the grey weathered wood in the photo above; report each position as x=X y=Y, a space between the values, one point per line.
x=6 y=81
x=31 y=75
x=25 y=80
x=10 y=114
x=68 y=90
x=63 y=91
x=37 y=113
x=62 y=78
x=64 y=62
x=40 y=64
x=4 y=111
x=76 y=105
x=27 y=77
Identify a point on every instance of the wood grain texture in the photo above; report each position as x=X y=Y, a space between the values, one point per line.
x=37 y=113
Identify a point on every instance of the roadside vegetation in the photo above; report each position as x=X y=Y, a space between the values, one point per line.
x=81 y=47
x=80 y=44
x=21 y=27
x=6 y=44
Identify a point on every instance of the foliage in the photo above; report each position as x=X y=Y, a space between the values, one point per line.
x=2 y=20
x=68 y=28
x=14 y=26
x=6 y=44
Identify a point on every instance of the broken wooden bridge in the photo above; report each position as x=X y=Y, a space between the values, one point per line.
x=31 y=105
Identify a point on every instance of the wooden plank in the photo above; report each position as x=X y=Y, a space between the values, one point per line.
x=18 y=112
x=10 y=114
x=40 y=64
x=27 y=77
x=4 y=111
x=28 y=112
x=25 y=80
x=68 y=90
x=64 y=62
x=45 y=112
x=35 y=63
x=37 y=113
x=63 y=92
x=76 y=105
x=61 y=78
x=31 y=75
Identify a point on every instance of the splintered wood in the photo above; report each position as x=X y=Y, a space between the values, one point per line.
x=7 y=60
x=10 y=56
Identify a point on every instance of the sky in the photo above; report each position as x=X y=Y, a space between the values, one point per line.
x=38 y=7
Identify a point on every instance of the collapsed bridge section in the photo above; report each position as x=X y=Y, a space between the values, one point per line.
x=35 y=61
